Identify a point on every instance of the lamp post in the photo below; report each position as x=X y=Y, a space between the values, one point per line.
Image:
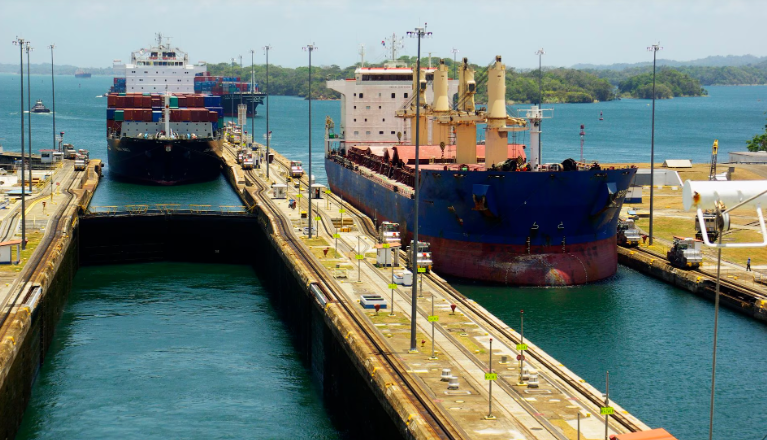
x=53 y=93
x=21 y=43
x=28 y=49
x=455 y=53
x=540 y=54
x=418 y=33
x=309 y=48
x=654 y=49
x=268 y=133
x=252 y=88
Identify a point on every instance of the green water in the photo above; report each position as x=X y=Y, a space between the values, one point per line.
x=168 y=350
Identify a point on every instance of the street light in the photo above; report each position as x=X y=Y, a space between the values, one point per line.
x=268 y=133
x=53 y=93
x=309 y=48
x=654 y=49
x=540 y=54
x=29 y=49
x=252 y=88
x=21 y=43
x=418 y=33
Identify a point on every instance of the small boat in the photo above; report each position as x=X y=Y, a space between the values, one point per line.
x=600 y=117
x=40 y=108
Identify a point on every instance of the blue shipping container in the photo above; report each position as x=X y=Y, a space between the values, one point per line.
x=110 y=114
x=156 y=116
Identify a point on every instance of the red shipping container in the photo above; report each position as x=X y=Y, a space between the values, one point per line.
x=120 y=102
x=147 y=115
x=182 y=102
x=128 y=114
x=212 y=116
x=128 y=101
x=186 y=115
x=111 y=101
x=200 y=101
x=156 y=101
x=194 y=116
x=175 y=115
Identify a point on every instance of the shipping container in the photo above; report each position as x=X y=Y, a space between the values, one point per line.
x=147 y=115
x=110 y=114
x=186 y=115
x=182 y=102
x=174 y=102
x=119 y=115
x=111 y=101
x=212 y=116
x=175 y=115
x=156 y=116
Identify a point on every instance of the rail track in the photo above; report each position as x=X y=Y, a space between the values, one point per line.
x=440 y=422
x=366 y=225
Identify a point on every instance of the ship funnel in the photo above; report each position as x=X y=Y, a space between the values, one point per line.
x=466 y=87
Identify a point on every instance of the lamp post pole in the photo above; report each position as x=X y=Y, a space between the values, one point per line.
x=654 y=48
x=252 y=88
x=21 y=43
x=53 y=93
x=268 y=133
x=29 y=48
x=418 y=33
x=540 y=54
x=310 y=48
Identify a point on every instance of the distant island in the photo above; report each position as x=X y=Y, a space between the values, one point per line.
x=669 y=83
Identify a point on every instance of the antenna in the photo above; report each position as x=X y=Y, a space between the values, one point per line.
x=393 y=44
x=362 y=55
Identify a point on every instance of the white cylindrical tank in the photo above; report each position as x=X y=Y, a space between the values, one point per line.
x=496 y=90
x=440 y=103
x=703 y=194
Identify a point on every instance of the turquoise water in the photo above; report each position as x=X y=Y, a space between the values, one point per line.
x=169 y=350
x=654 y=339
x=656 y=342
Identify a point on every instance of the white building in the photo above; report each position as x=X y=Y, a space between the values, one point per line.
x=370 y=101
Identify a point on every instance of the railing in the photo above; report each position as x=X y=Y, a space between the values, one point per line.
x=167 y=209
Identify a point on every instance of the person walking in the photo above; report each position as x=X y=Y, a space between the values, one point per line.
x=748 y=264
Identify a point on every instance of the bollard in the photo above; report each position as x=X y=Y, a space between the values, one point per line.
x=453 y=384
x=446 y=376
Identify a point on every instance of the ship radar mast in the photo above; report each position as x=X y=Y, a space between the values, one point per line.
x=394 y=45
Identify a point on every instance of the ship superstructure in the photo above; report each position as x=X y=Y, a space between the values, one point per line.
x=491 y=211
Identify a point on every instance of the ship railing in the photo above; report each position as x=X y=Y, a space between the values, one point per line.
x=201 y=209
x=137 y=209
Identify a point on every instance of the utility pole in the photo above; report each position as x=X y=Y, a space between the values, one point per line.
x=654 y=48
x=268 y=133
x=21 y=43
x=310 y=48
x=418 y=33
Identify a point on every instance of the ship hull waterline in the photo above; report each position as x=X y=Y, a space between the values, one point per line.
x=532 y=229
x=164 y=161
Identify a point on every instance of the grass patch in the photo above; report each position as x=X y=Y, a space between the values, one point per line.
x=34 y=239
x=315 y=241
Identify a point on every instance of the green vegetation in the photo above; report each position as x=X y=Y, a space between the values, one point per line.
x=669 y=83
x=706 y=75
x=559 y=85
x=758 y=142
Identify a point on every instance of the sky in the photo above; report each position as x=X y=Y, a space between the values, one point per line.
x=91 y=33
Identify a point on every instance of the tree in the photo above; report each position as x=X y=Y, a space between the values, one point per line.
x=758 y=142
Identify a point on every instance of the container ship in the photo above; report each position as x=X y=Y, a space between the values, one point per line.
x=491 y=211
x=164 y=133
x=152 y=70
x=82 y=74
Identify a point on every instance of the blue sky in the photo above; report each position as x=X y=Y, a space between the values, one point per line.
x=93 y=33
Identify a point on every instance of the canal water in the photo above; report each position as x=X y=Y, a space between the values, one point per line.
x=171 y=350
x=654 y=339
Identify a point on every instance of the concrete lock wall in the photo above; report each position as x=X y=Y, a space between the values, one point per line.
x=353 y=400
